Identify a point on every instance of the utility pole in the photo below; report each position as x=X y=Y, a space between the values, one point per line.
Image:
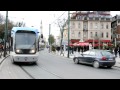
x=93 y=42
x=115 y=42
x=9 y=39
x=68 y=31
x=49 y=38
x=99 y=38
x=5 y=35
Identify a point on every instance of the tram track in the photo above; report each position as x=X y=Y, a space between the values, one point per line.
x=27 y=72
x=50 y=72
x=39 y=72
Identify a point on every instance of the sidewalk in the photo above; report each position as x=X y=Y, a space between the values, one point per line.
x=1 y=58
x=77 y=54
x=117 y=62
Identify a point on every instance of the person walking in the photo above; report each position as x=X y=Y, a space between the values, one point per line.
x=119 y=51
x=116 y=51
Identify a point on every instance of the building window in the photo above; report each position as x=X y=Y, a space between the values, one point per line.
x=118 y=20
x=96 y=34
x=91 y=35
x=91 y=25
x=107 y=26
x=118 y=36
x=79 y=34
x=96 y=25
x=79 y=25
x=102 y=35
x=73 y=33
x=85 y=27
x=73 y=26
x=107 y=35
x=102 y=26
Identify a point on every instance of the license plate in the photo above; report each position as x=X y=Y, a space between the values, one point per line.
x=110 y=59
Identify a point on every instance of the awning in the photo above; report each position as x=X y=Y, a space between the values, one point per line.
x=96 y=45
x=74 y=40
x=110 y=44
x=81 y=44
x=91 y=40
x=105 y=41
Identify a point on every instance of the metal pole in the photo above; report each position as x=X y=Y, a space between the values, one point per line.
x=115 y=41
x=68 y=30
x=49 y=38
x=9 y=43
x=5 y=35
x=93 y=42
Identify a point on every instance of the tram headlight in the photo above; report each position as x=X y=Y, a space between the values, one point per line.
x=18 y=51
x=32 y=51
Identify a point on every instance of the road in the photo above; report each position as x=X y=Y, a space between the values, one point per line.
x=51 y=66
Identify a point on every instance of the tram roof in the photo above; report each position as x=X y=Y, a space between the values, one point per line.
x=25 y=28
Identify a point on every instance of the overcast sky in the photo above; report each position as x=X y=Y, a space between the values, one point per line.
x=33 y=18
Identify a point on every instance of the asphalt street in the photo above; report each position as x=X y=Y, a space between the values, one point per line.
x=51 y=66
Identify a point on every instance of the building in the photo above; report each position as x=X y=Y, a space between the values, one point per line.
x=90 y=26
x=116 y=29
x=57 y=41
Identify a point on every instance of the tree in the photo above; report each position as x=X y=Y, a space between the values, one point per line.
x=2 y=19
x=52 y=39
x=20 y=24
x=61 y=24
x=2 y=25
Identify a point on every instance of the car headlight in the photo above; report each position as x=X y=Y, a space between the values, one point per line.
x=18 y=51
x=32 y=51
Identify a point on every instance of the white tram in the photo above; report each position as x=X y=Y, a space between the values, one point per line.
x=25 y=44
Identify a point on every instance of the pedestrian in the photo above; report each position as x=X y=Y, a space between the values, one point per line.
x=119 y=51
x=79 y=49
x=72 y=50
x=116 y=51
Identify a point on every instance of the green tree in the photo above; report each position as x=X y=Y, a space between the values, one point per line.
x=52 y=39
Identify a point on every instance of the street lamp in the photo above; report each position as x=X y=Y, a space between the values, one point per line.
x=68 y=31
x=5 y=35
x=115 y=40
x=49 y=37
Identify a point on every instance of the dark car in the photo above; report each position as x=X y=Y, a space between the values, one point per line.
x=97 y=58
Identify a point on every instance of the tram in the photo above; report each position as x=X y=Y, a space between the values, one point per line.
x=25 y=44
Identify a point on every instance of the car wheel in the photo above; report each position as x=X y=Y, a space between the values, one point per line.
x=96 y=64
x=76 y=61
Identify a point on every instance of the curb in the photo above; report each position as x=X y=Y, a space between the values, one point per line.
x=4 y=59
x=117 y=66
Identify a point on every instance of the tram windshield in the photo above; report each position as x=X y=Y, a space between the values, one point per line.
x=25 y=40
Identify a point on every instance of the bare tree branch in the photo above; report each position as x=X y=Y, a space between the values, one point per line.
x=61 y=23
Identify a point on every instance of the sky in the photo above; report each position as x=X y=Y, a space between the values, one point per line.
x=33 y=18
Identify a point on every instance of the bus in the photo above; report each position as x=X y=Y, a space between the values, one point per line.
x=25 y=44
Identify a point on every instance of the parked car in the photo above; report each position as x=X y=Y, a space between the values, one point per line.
x=97 y=58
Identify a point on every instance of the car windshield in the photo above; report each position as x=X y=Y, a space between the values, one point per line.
x=25 y=40
x=105 y=53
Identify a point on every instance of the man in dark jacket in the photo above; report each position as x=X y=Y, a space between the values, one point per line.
x=116 y=51
x=119 y=51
